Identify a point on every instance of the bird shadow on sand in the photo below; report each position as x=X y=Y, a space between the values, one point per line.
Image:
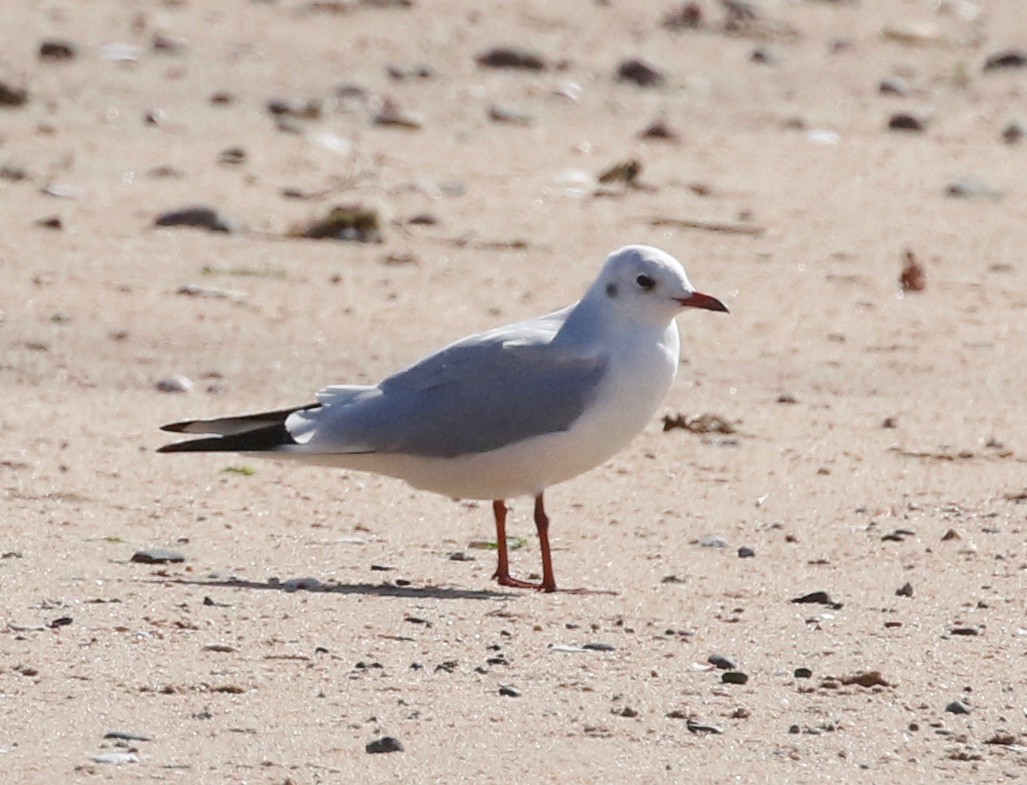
x=313 y=585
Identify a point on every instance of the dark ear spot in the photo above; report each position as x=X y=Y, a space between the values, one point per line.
x=611 y=290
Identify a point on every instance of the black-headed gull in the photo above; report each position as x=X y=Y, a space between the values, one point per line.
x=503 y=413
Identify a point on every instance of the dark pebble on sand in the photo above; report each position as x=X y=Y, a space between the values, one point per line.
x=905 y=590
x=157 y=556
x=735 y=677
x=199 y=217
x=745 y=552
x=905 y=121
x=641 y=73
x=511 y=57
x=722 y=662
x=965 y=631
x=384 y=744
x=508 y=691
x=1010 y=58
x=958 y=707
x=814 y=597
x=56 y=50
x=803 y=673
x=1014 y=132
x=12 y=95
x=51 y=222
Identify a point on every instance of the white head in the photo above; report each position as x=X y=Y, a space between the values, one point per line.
x=644 y=284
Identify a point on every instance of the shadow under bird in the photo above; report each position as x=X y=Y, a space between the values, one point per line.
x=504 y=413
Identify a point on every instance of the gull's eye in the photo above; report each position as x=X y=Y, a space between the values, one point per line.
x=645 y=282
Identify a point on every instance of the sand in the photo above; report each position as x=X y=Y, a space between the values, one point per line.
x=880 y=435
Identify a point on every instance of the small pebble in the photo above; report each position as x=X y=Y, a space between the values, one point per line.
x=384 y=744
x=641 y=73
x=764 y=56
x=913 y=277
x=958 y=707
x=722 y=662
x=965 y=631
x=1014 y=132
x=174 y=384
x=56 y=50
x=168 y=44
x=734 y=677
x=687 y=16
x=392 y=115
x=197 y=216
x=1010 y=58
x=214 y=292
x=745 y=552
x=13 y=173
x=511 y=57
x=660 y=130
x=13 y=95
x=157 y=556
x=423 y=219
x=905 y=121
x=803 y=673
x=115 y=758
x=599 y=647
x=303 y=584
x=51 y=222
x=713 y=541
x=814 y=597
x=971 y=187
x=400 y=74
x=509 y=115
x=509 y=692
x=905 y=590
x=893 y=85
x=232 y=156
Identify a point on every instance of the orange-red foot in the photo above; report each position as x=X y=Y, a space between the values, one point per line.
x=516 y=583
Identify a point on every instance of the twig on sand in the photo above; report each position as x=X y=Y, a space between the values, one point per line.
x=710 y=226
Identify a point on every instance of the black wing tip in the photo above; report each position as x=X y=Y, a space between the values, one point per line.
x=213 y=444
x=177 y=427
x=263 y=439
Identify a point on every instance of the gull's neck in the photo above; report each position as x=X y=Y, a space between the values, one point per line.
x=593 y=320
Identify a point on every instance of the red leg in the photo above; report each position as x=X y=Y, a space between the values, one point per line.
x=502 y=574
x=542 y=526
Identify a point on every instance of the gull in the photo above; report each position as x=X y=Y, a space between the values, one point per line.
x=503 y=413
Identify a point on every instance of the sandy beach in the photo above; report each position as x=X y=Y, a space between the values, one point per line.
x=848 y=177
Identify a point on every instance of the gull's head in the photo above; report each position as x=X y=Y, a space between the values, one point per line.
x=646 y=284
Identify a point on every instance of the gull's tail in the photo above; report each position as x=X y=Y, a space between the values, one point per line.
x=246 y=433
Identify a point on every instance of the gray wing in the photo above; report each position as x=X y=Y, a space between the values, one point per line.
x=478 y=394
